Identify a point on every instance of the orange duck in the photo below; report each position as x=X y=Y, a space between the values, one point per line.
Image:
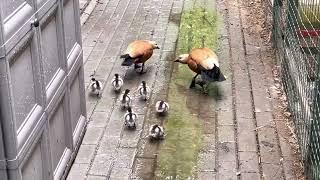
x=205 y=62
x=138 y=52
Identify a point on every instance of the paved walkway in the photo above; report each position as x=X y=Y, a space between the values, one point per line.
x=241 y=136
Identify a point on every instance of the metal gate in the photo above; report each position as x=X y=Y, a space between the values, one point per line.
x=42 y=102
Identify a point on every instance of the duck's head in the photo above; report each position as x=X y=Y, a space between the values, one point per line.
x=126 y=91
x=182 y=58
x=154 y=45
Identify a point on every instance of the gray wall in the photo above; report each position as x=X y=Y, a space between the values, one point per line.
x=42 y=101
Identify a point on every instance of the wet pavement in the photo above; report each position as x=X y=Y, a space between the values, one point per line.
x=233 y=129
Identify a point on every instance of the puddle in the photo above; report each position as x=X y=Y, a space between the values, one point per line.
x=178 y=154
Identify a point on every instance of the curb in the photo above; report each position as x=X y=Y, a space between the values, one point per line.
x=87 y=10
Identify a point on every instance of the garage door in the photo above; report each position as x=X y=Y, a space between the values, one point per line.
x=42 y=102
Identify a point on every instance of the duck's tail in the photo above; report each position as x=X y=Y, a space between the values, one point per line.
x=212 y=75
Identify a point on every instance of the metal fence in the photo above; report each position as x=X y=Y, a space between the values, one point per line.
x=296 y=32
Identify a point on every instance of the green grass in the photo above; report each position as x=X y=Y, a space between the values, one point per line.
x=179 y=152
x=198 y=28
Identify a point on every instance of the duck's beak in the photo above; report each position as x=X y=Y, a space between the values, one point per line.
x=177 y=60
x=157 y=47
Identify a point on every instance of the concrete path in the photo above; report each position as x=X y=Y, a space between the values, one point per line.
x=241 y=136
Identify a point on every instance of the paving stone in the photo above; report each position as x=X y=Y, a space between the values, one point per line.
x=78 y=171
x=206 y=161
x=226 y=151
x=130 y=138
x=108 y=144
x=115 y=125
x=272 y=171
x=120 y=173
x=101 y=165
x=250 y=176
x=225 y=117
x=269 y=149
x=92 y=135
x=247 y=141
x=99 y=119
x=209 y=143
x=246 y=124
x=264 y=119
x=226 y=133
x=249 y=162
x=91 y=177
x=261 y=100
x=85 y=154
x=227 y=170
x=124 y=157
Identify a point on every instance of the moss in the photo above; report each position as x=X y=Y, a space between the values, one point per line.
x=178 y=154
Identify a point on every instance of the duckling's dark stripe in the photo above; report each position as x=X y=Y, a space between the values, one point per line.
x=97 y=83
x=124 y=97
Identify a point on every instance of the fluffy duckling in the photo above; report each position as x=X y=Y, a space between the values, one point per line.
x=156 y=132
x=130 y=119
x=126 y=99
x=162 y=107
x=144 y=91
x=138 y=52
x=96 y=87
x=117 y=83
x=205 y=62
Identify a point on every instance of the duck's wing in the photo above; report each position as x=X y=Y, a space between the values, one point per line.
x=204 y=58
x=139 y=49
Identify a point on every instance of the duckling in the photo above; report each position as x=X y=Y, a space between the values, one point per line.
x=117 y=82
x=138 y=52
x=205 y=62
x=126 y=100
x=144 y=91
x=162 y=107
x=130 y=119
x=96 y=87
x=156 y=132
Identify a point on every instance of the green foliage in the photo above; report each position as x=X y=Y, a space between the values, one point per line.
x=198 y=29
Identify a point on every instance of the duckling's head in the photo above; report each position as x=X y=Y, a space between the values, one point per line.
x=183 y=58
x=93 y=79
x=116 y=75
x=154 y=45
x=129 y=110
x=143 y=83
x=126 y=91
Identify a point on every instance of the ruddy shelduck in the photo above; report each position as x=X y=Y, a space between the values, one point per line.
x=138 y=52
x=205 y=62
